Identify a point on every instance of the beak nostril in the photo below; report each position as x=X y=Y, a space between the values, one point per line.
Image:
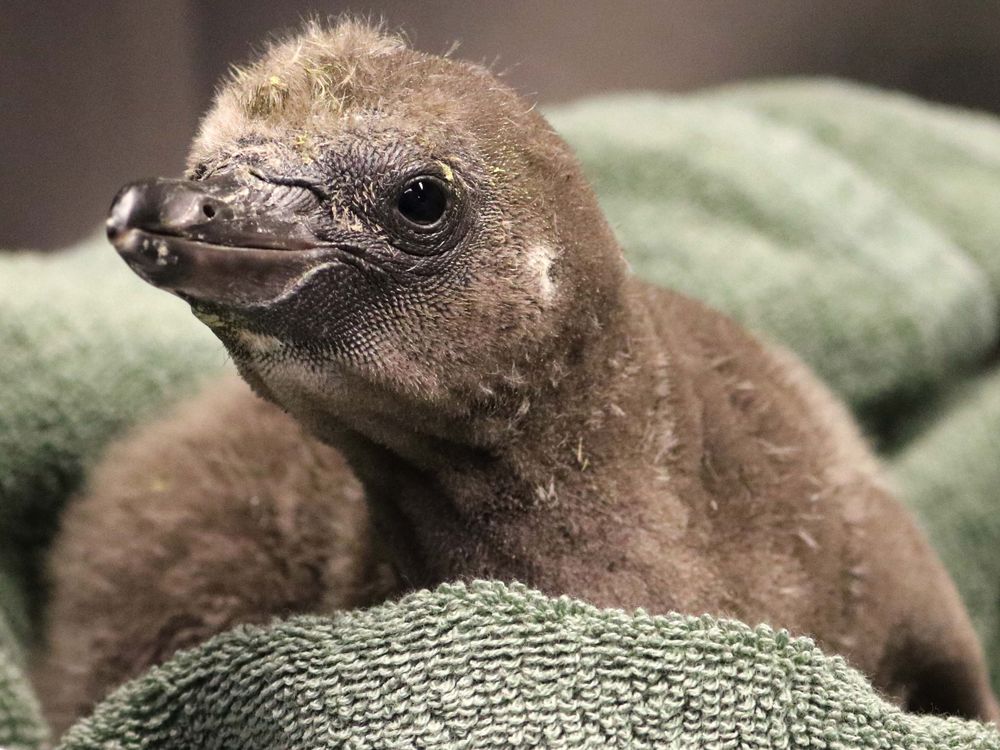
x=208 y=209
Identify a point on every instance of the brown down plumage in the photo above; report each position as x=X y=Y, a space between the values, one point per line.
x=513 y=404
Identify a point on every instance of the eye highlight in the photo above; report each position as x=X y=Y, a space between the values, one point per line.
x=424 y=200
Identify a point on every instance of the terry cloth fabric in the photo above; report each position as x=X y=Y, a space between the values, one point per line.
x=21 y=725
x=949 y=472
x=942 y=162
x=492 y=666
x=880 y=277
x=791 y=237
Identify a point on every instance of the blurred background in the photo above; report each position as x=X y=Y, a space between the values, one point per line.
x=96 y=93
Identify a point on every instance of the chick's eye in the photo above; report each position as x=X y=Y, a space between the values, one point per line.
x=424 y=201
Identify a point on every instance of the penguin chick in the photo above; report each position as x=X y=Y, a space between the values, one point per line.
x=400 y=252
x=222 y=513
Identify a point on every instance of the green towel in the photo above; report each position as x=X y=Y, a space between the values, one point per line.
x=21 y=725
x=787 y=235
x=754 y=199
x=942 y=162
x=491 y=666
x=950 y=474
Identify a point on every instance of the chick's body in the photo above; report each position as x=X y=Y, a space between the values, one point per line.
x=222 y=512
x=443 y=302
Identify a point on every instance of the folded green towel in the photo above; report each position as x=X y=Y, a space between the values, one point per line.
x=950 y=475
x=492 y=666
x=21 y=725
x=942 y=162
x=787 y=235
x=754 y=199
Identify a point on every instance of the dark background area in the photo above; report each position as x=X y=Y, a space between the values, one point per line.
x=93 y=94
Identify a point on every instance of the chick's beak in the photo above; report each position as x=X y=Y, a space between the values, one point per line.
x=215 y=240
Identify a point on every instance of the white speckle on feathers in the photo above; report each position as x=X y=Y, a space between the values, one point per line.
x=259 y=342
x=540 y=259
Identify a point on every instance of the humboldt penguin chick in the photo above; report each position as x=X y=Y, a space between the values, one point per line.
x=400 y=252
x=220 y=513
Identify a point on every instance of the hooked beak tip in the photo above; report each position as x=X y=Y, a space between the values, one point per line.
x=198 y=242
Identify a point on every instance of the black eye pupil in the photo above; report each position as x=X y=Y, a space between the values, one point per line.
x=423 y=201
